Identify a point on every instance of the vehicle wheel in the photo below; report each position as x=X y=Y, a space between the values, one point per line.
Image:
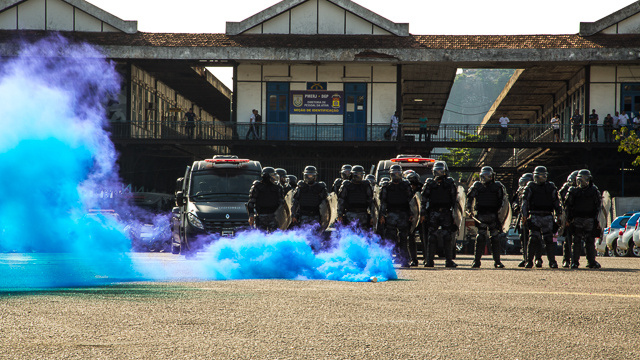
x=621 y=253
x=611 y=252
x=636 y=250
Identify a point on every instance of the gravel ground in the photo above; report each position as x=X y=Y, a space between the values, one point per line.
x=434 y=313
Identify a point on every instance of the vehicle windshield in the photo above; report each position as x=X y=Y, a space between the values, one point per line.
x=222 y=184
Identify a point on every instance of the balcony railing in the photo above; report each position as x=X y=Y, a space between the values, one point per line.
x=180 y=130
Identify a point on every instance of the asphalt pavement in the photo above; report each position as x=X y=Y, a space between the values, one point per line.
x=433 y=313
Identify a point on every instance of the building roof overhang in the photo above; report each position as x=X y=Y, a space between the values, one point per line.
x=591 y=28
x=236 y=28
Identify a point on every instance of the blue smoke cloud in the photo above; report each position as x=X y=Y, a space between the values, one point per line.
x=56 y=158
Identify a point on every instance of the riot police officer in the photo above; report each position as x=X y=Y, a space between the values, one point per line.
x=439 y=196
x=293 y=181
x=540 y=202
x=265 y=197
x=416 y=185
x=566 y=247
x=395 y=213
x=488 y=195
x=583 y=205
x=372 y=180
x=310 y=193
x=355 y=200
x=284 y=180
x=523 y=230
x=345 y=174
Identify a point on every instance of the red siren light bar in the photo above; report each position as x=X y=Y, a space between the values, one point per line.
x=227 y=161
x=413 y=160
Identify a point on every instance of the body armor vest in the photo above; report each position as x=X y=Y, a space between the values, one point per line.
x=440 y=195
x=397 y=197
x=357 y=196
x=488 y=198
x=267 y=201
x=309 y=199
x=541 y=197
x=585 y=202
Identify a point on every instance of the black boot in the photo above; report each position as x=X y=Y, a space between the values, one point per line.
x=522 y=263
x=450 y=264
x=594 y=265
x=529 y=264
x=475 y=264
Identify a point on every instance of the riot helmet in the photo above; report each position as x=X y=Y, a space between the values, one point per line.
x=310 y=174
x=283 y=176
x=583 y=180
x=405 y=174
x=440 y=169
x=357 y=173
x=525 y=178
x=293 y=180
x=371 y=178
x=540 y=175
x=270 y=174
x=345 y=172
x=395 y=173
x=487 y=174
x=571 y=179
x=414 y=178
x=384 y=180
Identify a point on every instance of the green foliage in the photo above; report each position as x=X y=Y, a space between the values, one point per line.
x=629 y=143
x=459 y=157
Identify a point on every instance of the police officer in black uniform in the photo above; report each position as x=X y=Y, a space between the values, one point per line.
x=305 y=204
x=293 y=181
x=265 y=197
x=439 y=196
x=566 y=247
x=523 y=230
x=416 y=186
x=395 y=213
x=488 y=195
x=583 y=205
x=345 y=174
x=540 y=202
x=284 y=180
x=355 y=200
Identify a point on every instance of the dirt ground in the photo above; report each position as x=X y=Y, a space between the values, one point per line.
x=432 y=313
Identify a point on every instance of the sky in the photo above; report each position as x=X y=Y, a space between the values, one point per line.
x=425 y=17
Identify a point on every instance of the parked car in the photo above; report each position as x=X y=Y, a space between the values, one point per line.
x=625 y=237
x=512 y=243
x=635 y=249
x=611 y=233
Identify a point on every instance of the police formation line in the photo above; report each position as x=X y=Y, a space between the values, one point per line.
x=402 y=205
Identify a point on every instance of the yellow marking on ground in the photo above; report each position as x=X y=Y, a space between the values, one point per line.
x=636 y=296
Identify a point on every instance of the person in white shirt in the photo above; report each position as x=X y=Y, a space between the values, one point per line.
x=394 y=126
x=616 y=119
x=555 y=125
x=504 y=120
x=623 y=120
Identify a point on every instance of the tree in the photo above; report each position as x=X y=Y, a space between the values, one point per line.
x=460 y=157
x=629 y=143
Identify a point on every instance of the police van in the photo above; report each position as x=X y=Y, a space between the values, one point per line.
x=422 y=166
x=210 y=200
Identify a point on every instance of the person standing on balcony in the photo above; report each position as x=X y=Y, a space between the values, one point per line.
x=555 y=125
x=593 y=125
x=258 y=122
x=576 y=125
x=191 y=123
x=252 y=125
x=423 y=128
x=504 y=121
x=394 y=126
x=607 y=127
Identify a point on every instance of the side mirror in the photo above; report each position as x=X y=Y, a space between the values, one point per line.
x=180 y=200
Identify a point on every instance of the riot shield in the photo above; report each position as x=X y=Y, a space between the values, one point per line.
x=283 y=213
x=376 y=208
x=459 y=208
x=328 y=211
x=414 y=205
x=504 y=214
x=604 y=217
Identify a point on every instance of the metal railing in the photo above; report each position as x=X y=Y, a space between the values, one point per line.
x=181 y=130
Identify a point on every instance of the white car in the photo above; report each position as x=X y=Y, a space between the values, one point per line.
x=624 y=242
x=635 y=250
x=606 y=245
